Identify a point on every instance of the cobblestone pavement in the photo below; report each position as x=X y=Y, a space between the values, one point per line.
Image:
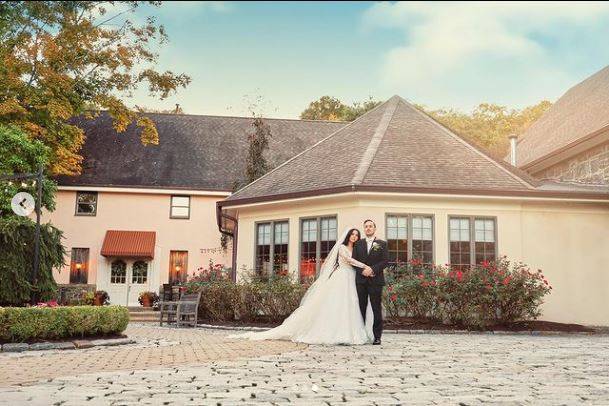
x=406 y=369
x=155 y=347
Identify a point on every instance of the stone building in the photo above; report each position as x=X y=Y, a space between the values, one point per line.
x=570 y=142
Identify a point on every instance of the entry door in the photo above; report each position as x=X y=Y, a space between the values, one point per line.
x=128 y=278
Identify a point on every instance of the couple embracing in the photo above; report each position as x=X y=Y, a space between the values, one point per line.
x=343 y=306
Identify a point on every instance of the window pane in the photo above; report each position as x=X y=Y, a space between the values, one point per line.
x=397 y=238
x=139 y=272
x=180 y=201
x=179 y=212
x=422 y=239
x=118 y=272
x=281 y=233
x=485 y=248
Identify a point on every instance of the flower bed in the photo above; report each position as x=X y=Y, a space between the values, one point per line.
x=20 y=324
x=492 y=293
x=485 y=296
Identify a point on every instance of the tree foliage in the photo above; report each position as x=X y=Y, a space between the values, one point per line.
x=331 y=108
x=20 y=154
x=61 y=59
x=16 y=245
x=256 y=164
x=489 y=125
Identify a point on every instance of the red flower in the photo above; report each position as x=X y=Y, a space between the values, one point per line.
x=485 y=264
x=393 y=297
x=390 y=289
x=507 y=280
x=459 y=276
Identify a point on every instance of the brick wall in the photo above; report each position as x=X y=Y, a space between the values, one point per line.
x=591 y=166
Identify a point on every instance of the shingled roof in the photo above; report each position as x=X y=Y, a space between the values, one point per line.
x=394 y=147
x=196 y=152
x=582 y=111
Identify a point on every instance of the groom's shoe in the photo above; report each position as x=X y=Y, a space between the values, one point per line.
x=377 y=341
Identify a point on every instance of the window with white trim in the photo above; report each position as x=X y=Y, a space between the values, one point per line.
x=410 y=236
x=272 y=242
x=472 y=241
x=180 y=207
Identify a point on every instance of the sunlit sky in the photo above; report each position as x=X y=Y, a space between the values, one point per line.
x=437 y=54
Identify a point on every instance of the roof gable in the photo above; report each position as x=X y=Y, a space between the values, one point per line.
x=393 y=146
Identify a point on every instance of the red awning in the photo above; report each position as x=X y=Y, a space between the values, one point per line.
x=133 y=244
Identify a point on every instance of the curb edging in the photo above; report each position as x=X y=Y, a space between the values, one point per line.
x=64 y=345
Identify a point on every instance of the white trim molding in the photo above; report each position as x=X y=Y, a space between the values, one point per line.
x=150 y=191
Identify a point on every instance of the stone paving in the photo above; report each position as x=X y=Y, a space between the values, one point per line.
x=454 y=369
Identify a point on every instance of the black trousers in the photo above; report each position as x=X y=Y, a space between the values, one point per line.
x=375 y=292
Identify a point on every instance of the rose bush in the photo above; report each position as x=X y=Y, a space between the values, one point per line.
x=487 y=294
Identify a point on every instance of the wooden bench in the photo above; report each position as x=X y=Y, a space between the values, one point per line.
x=188 y=309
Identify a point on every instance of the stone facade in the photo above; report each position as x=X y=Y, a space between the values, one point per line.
x=591 y=167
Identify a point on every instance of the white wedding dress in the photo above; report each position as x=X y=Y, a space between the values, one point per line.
x=329 y=312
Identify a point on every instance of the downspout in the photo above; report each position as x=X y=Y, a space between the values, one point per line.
x=221 y=215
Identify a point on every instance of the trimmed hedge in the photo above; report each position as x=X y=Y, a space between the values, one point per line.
x=19 y=324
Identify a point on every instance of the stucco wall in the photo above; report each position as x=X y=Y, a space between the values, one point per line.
x=143 y=212
x=591 y=166
x=569 y=241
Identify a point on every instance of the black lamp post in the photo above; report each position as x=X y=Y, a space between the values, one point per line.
x=38 y=176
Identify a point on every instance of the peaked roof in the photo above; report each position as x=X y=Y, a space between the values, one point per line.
x=394 y=147
x=195 y=152
x=583 y=110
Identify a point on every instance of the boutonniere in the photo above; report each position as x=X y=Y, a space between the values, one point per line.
x=375 y=246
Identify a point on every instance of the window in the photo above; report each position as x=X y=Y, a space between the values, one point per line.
x=86 y=203
x=464 y=230
x=317 y=237
x=280 y=248
x=271 y=248
x=484 y=240
x=263 y=249
x=178 y=266
x=79 y=265
x=397 y=238
x=139 y=272
x=180 y=207
x=118 y=272
x=410 y=236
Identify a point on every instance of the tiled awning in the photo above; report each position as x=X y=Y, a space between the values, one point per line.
x=133 y=244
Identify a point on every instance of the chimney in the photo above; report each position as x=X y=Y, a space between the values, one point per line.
x=513 y=138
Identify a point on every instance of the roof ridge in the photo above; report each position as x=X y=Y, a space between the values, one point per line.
x=312 y=146
x=239 y=117
x=375 y=141
x=474 y=148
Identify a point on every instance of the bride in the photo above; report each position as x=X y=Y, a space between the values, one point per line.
x=329 y=312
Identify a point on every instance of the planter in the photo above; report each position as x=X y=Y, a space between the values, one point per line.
x=146 y=301
x=98 y=301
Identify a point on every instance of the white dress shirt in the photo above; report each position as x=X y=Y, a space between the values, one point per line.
x=369 y=241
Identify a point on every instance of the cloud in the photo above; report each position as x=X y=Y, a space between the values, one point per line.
x=450 y=47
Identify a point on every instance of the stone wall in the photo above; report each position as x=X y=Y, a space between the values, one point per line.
x=591 y=166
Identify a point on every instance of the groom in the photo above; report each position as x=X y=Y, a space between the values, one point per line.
x=370 y=280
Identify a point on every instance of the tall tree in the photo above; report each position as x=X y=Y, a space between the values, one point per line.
x=59 y=59
x=331 y=108
x=489 y=125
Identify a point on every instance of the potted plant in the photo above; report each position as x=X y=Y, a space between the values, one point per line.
x=101 y=298
x=148 y=299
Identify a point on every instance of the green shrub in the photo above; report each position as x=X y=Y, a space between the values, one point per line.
x=269 y=299
x=18 y=324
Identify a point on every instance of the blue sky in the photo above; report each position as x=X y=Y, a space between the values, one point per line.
x=437 y=54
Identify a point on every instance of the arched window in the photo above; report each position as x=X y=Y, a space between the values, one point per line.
x=118 y=272
x=140 y=272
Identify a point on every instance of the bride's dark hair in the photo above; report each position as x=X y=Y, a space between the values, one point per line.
x=359 y=236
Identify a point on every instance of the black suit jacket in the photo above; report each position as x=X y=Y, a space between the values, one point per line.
x=377 y=259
